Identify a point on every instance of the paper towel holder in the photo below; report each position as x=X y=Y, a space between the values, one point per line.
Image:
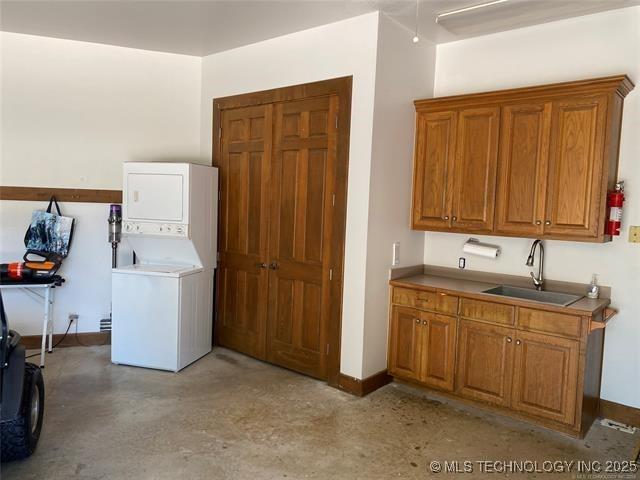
x=493 y=251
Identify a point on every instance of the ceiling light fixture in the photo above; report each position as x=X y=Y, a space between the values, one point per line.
x=466 y=9
x=416 y=38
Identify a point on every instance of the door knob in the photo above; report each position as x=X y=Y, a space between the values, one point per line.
x=424 y=322
x=261 y=265
x=518 y=342
x=274 y=265
x=509 y=340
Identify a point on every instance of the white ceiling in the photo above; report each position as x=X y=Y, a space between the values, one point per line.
x=205 y=27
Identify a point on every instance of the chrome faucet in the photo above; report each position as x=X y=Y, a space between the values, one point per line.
x=537 y=281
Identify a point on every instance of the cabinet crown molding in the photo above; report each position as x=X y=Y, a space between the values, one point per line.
x=621 y=84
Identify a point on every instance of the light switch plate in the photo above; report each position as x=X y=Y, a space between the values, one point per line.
x=396 y=254
x=634 y=234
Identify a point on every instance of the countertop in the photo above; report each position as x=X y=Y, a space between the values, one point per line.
x=472 y=288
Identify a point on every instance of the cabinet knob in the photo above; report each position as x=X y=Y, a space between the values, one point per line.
x=424 y=322
x=446 y=217
x=261 y=265
x=417 y=320
x=538 y=222
x=548 y=222
x=454 y=218
x=518 y=342
x=509 y=340
x=274 y=265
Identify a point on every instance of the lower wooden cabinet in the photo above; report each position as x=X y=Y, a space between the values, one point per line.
x=545 y=376
x=485 y=362
x=540 y=365
x=422 y=347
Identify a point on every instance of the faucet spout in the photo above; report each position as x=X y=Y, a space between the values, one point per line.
x=538 y=281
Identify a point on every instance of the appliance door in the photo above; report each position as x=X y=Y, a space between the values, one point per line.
x=145 y=321
x=156 y=197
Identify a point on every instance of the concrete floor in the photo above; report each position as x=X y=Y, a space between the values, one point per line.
x=232 y=417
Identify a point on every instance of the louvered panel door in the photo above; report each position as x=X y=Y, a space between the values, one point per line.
x=302 y=179
x=245 y=160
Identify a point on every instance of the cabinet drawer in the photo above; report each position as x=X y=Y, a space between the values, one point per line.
x=549 y=322
x=487 y=311
x=439 y=302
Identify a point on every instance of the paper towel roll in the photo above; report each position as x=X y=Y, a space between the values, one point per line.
x=474 y=247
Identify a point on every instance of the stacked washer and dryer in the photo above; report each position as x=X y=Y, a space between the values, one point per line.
x=163 y=303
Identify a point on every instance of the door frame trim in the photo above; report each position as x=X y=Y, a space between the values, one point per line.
x=337 y=86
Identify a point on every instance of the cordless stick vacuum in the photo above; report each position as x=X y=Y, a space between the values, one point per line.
x=115 y=234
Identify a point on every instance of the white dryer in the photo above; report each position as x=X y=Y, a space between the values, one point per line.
x=163 y=305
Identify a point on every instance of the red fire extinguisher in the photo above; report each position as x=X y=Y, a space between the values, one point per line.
x=615 y=199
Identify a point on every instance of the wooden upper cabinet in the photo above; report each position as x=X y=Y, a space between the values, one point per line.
x=475 y=169
x=574 y=190
x=553 y=149
x=433 y=169
x=524 y=153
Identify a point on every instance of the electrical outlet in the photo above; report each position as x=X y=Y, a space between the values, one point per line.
x=634 y=234
x=396 y=254
x=73 y=317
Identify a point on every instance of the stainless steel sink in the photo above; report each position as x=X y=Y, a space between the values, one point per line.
x=554 y=298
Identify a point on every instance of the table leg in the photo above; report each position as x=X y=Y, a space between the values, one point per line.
x=45 y=326
x=50 y=307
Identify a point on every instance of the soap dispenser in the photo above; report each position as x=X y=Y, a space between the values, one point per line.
x=594 y=290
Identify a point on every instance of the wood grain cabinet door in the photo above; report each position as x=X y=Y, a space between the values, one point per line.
x=485 y=362
x=433 y=169
x=475 y=169
x=438 y=350
x=575 y=167
x=302 y=186
x=245 y=159
x=405 y=340
x=522 y=168
x=545 y=376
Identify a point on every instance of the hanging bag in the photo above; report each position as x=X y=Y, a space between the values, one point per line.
x=49 y=232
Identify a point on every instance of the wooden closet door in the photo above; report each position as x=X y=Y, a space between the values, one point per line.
x=246 y=141
x=302 y=182
x=575 y=166
x=524 y=153
x=475 y=169
x=433 y=169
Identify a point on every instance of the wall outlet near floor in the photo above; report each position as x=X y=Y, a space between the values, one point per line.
x=73 y=317
x=634 y=234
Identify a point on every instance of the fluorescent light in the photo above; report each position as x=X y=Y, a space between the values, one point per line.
x=466 y=9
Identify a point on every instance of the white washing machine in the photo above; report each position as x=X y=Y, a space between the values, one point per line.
x=163 y=305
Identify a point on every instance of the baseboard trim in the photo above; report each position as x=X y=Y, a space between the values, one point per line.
x=363 y=387
x=620 y=413
x=86 y=339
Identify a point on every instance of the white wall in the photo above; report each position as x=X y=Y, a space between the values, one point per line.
x=72 y=113
x=335 y=50
x=585 y=47
x=405 y=72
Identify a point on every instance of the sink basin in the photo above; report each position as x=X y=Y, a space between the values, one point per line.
x=554 y=298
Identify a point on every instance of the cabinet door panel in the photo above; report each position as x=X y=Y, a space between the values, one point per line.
x=546 y=376
x=475 y=169
x=485 y=361
x=438 y=350
x=524 y=150
x=575 y=166
x=433 y=165
x=404 y=343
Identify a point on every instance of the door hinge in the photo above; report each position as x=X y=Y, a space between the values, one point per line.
x=331 y=274
x=219 y=195
x=336 y=121
x=333 y=200
x=327 y=349
x=220 y=132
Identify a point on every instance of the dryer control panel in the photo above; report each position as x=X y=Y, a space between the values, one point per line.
x=152 y=228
